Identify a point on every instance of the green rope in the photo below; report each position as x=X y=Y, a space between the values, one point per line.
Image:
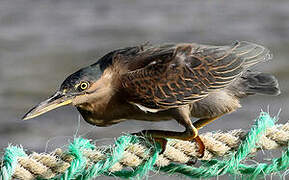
x=217 y=167
x=121 y=144
x=10 y=161
x=80 y=170
x=78 y=165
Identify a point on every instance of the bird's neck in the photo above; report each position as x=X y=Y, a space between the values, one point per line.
x=105 y=111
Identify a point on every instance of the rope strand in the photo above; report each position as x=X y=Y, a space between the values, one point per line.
x=133 y=156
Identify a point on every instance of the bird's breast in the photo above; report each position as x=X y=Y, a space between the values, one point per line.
x=118 y=112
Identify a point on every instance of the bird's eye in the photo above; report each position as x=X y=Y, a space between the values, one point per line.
x=83 y=85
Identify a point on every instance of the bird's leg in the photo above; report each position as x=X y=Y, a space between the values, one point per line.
x=160 y=137
x=204 y=121
x=182 y=115
x=190 y=133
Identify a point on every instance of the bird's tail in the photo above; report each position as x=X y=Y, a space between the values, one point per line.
x=252 y=53
x=260 y=83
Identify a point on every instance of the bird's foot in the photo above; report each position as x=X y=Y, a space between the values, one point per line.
x=201 y=151
x=201 y=147
x=161 y=141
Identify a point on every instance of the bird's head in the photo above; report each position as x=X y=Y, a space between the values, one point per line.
x=89 y=85
x=86 y=85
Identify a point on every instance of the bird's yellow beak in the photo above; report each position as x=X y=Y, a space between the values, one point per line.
x=55 y=101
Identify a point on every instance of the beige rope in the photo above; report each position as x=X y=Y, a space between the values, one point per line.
x=217 y=144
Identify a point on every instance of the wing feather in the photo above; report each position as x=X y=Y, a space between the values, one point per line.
x=189 y=74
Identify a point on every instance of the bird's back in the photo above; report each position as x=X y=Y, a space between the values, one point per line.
x=167 y=76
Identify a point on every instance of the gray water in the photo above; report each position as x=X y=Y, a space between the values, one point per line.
x=42 y=42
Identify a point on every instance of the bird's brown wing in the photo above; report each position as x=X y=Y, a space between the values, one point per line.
x=188 y=74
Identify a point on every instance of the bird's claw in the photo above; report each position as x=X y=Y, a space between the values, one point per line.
x=192 y=162
x=161 y=141
x=201 y=147
x=201 y=151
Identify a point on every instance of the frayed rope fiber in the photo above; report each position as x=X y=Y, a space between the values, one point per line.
x=135 y=157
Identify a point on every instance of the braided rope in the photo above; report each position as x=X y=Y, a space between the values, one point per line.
x=133 y=156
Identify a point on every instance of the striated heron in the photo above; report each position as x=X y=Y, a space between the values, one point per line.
x=171 y=81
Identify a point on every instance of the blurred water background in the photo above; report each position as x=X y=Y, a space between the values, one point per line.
x=41 y=42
